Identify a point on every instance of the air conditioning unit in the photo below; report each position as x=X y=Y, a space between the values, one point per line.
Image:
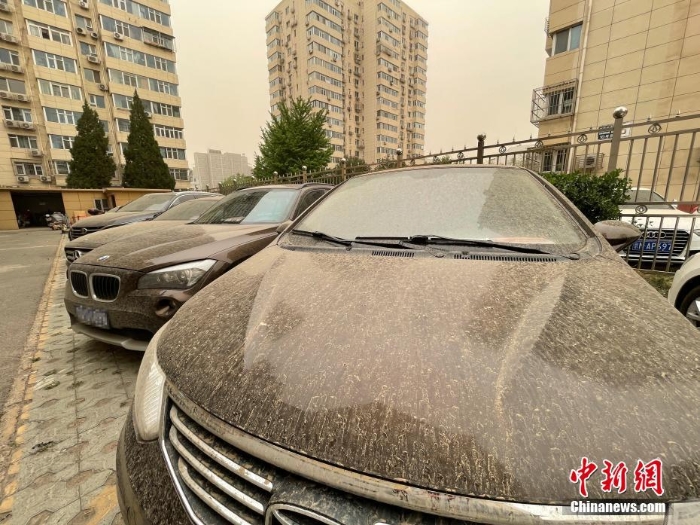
x=27 y=125
x=81 y=31
x=118 y=36
x=22 y=178
x=11 y=124
x=16 y=69
x=22 y=98
x=84 y=4
x=104 y=87
x=93 y=59
x=94 y=35
x=148 y=114
x=5 y=94
x=45 y=178
x=37 y=153
x=8 y=38
x=5 y=7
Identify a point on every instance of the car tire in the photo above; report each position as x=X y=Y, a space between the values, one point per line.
x=690 y=306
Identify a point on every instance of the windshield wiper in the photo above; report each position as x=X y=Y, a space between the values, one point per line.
x=324 y=237
x=424 y=240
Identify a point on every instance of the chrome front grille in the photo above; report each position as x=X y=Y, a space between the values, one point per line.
x=679 y=242
x=223 y=484
x=76 y=232
x=79 y=283
x=105 y=288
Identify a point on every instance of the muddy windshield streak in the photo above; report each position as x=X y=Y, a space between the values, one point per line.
x=505 y=206
x=187 y=211
x=148 y=203
x=251 y=207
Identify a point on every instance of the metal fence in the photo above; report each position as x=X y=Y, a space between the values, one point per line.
x=660 y=158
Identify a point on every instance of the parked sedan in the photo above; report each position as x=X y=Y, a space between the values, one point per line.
x=182 y=214
x=123 y=292
x=142 y=209
x=685 y=290
x=441 y=344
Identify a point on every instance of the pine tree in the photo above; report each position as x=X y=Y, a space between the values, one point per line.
x=91 y=167
x=294 y=139
x=145 y=167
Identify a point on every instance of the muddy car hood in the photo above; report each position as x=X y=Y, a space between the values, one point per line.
x=109 y=220
x=97 y=239
x=490 y=379
x=168 y=246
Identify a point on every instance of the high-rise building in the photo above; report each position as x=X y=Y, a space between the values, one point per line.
x=365 y=61
x=54 y=54
x=602 y=54
x=213 y=167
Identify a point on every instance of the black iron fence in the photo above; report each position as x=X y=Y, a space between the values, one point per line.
x=660 y=158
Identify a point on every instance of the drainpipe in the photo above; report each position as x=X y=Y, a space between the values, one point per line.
x=582 y=60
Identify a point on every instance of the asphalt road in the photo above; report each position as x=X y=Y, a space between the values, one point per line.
x=25 y=260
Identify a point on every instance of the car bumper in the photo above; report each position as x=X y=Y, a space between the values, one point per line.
x=112 y=338
x=146 y=494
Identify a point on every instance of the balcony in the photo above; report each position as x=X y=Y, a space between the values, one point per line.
x=552 y=102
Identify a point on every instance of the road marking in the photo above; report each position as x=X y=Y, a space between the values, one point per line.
x=27 y=247
x=12 y=267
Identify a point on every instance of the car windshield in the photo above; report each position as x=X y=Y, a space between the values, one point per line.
x=154 y=202
x=501 y=205
x=262 y=205
x=645 y=195
x=187 y=211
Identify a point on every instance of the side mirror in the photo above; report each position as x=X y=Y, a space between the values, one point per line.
x=283 y=226
x=619 y=234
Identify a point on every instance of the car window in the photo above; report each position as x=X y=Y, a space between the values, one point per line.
x=645 y=195
x=307 y=200
x=252 y=207
x=154 y=202
x=187 y=211
x=502 y=205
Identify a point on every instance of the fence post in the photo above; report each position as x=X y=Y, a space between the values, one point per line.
x=275 y=175
x=480 y=149
x=619 y=115
x=343 y=168
x=399 y=158
x=303 y=175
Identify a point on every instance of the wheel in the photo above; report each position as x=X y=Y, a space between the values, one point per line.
x=690 y=306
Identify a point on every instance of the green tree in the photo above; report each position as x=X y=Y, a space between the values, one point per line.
x=91 y=166
x=294 y=139
x=442 y=160
x=145 y=167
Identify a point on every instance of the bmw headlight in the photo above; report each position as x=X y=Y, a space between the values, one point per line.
x=180 y=277
x=150 y=389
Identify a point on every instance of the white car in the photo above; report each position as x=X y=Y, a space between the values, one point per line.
x=685 y=290
x=666 y=230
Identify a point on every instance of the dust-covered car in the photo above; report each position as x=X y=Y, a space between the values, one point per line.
x=436 y=345
x=123 y=292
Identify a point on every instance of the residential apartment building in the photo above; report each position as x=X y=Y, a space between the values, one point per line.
x=55 y=54
x=365 y=61
x=602 y=54
x=214 y=166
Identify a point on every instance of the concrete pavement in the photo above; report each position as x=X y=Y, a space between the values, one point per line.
x=59 y=434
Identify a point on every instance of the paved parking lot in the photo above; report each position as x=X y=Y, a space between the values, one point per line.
x=60 y=431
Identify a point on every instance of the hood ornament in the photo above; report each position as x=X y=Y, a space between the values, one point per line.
x=103 y=258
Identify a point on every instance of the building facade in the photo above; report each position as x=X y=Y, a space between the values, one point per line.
x=602 y=54
x=55 y=54
x=214 y=166
x=365 y=61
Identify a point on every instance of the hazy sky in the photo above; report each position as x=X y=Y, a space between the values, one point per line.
x=484 y=60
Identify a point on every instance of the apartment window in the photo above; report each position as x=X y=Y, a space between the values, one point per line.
x=567 y=40
x=168 y=132
x=97 y=101
x=6 y=27
x=561 y=102
x=325 y=21
x=49 y=33
x=20 y=114
x=53 y=61
x=62 y=116
x=9 y=57
x=554 y=160
x=57 y=7
x=92 y=76
x=162 y=109
x=326 y=36
x=87 y=49
x=85 y=23
x=123 y=125
x=142 y=11
x=173 y=153
x=179 y=174
x=12 y=85
x=61 y=167
x=29 y=169
x=61 y=141
x=23 y=142
x=161 y=86
x=56 y=89
x=137 y=57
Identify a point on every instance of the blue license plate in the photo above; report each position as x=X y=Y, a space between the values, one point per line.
x=92 y=317
x=651 y=246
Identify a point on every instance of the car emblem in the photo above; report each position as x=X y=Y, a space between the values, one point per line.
x=103 y=258
x=284 y=514
x=84 y=230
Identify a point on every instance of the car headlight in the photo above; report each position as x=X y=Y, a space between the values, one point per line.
x=697 y=232
x=150 y=389
x=178 y=277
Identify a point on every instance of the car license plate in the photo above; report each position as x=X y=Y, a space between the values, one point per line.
x=650 y=246
x=92 y=317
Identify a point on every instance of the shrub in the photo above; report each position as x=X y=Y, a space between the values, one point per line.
x=597 y=196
